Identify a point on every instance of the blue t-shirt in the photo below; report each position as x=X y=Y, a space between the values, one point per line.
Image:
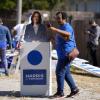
x=3 y=44
x=64 y=47
x=5 y=36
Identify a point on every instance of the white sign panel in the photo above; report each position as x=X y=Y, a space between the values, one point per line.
x=35 y=69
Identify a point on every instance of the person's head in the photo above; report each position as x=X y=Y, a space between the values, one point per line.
x=61 y=17
x=1 y=21
x=92 y=22
x=36 y=18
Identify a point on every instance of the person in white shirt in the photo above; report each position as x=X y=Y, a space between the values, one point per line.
x=17 y=31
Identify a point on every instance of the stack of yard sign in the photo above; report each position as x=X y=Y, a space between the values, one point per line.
x=81 y=64
x=84 y=65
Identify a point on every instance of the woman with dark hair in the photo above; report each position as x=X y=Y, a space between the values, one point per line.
x=34 y=16
x=36 y=31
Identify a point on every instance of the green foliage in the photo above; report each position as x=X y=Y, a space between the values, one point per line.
x=51 y=3
x=38 y=4
x=28 y=4
x=7 y=4
x=35 y=4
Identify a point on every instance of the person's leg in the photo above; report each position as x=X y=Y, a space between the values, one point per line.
x=92 y=50
x=4 y=60
x=0 y=58
x=70 y=81
x=60 y=76
x=69 y=78
x=94 y=58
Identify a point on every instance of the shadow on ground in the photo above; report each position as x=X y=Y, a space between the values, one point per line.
x=10 y=93
x=17 y=94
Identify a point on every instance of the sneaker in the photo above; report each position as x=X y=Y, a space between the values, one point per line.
x=74 y=92
x=57 y=95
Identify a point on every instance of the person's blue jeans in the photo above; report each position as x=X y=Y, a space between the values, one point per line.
x=63 y=73
x=3 y=59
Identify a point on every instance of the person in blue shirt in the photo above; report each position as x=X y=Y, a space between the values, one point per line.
x=65 y=43
x=5 y=37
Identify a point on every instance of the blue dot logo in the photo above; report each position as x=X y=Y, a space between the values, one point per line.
x=34 y=57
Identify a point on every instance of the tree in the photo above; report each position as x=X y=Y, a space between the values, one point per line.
x=52 y=3
x=35 y=4
x=7 y=4
x=28 y=4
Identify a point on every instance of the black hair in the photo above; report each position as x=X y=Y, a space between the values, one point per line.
x=91 y=21
x=40 y=18
x=63 y=14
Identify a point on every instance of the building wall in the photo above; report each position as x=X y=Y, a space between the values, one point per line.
x=80 y=5
x=94 y=6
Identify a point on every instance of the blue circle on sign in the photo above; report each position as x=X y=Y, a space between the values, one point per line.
x=34 y=57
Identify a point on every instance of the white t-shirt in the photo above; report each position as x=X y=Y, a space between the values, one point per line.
x=19 y=28
x=35 y=26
